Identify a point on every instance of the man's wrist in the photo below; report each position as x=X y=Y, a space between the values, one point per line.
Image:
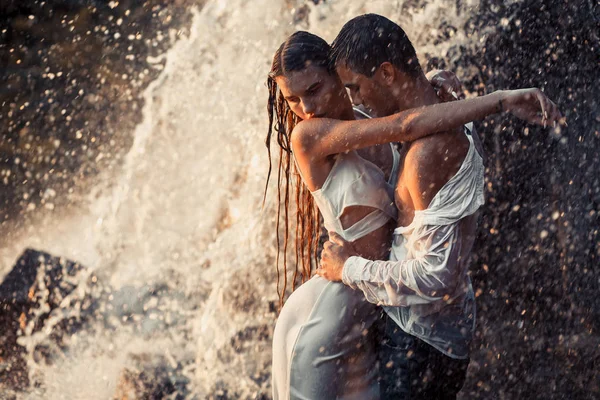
x=348 y=270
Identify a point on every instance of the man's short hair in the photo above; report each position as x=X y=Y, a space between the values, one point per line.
x=367 y=41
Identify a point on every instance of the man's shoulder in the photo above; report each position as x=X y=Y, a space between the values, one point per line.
x=431 y=162
x=442 y=150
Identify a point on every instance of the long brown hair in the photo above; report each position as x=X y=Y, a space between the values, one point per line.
x=296 y=53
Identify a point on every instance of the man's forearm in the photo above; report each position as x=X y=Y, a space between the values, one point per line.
x=409 y=281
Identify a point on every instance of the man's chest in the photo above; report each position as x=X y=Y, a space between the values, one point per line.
x=402 y=197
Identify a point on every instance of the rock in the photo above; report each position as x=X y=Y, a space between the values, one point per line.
x=535 y=263
x=227 y=336
x=37 y=285
x=151 y=377
x=50 y=71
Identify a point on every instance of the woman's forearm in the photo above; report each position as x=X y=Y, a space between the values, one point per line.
x=417 y=123
x=324 y=137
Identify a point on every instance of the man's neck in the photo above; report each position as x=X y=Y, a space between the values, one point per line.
x=346 y=113
x=414 y=92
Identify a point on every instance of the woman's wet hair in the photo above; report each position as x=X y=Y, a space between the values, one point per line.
x=299 y=51
x=367 y=41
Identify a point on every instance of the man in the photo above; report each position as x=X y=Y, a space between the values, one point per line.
x=424 y=288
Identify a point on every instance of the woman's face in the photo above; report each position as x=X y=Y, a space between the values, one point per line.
x=314 y=93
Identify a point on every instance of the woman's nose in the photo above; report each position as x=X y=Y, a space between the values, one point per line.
x=309 y=108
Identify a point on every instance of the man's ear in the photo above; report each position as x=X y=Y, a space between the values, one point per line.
x=387 y=72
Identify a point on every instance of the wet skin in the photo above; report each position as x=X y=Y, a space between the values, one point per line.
x=316 y=93
x=427 y=163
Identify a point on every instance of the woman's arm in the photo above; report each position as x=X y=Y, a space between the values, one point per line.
x=319 y=138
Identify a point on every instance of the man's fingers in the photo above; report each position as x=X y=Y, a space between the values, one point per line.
x=455 y=85
x=322 y=273
x=448 y=91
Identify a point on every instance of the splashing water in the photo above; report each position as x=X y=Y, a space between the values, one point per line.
x=178 y=234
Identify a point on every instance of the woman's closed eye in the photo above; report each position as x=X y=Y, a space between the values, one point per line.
x=313 y=90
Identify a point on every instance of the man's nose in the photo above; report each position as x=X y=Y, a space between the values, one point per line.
x=356 y=98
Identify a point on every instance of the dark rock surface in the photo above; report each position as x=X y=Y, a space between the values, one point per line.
x=37 y=286
x=536 y=261
x=151 y=377
x=72 y=72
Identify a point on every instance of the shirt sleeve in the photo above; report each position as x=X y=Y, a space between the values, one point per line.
x=429 y=276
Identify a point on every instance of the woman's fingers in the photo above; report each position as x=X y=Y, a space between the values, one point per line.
x=542 y=100
x=537 y=119
x=554 y=117
x=533 y=106
x=557 y=115
x=550 y=113
x=452 y=89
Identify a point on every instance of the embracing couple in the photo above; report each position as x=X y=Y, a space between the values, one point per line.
x=390 y=312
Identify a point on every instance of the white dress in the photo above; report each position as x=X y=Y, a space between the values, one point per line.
x=323 y=345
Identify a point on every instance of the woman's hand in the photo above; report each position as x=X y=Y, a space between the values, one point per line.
x=531 y=105
x=446 y=85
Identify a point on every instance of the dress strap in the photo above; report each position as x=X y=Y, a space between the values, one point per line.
x=395 y=165
x=361 y=112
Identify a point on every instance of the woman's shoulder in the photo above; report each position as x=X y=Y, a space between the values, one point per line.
x=307 y=133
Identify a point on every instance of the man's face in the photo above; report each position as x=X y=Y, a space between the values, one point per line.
x=312 y=92
x=373 y=93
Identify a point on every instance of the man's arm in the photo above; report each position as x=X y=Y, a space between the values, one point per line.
x=428 y=277
x=432 y=271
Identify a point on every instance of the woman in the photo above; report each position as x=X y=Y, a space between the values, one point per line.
x=322 y=346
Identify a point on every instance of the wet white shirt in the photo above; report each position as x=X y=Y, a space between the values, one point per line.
x=425 y=287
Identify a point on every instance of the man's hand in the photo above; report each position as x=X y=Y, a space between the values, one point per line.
x=446 y=85
x=335 y=253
